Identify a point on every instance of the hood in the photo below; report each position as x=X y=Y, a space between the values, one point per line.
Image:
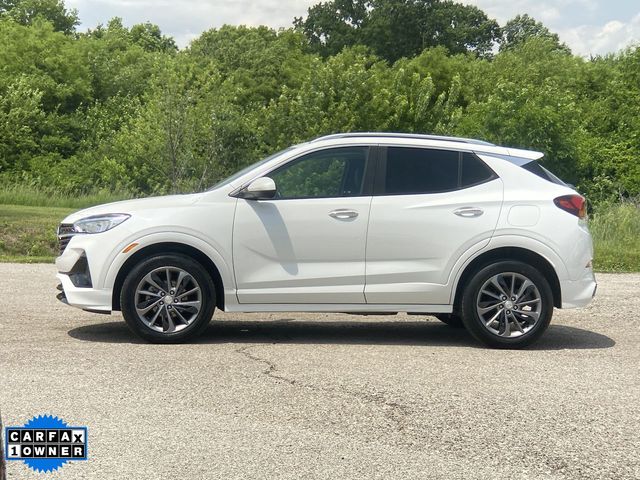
x=133 y=206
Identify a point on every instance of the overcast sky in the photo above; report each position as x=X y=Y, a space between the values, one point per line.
x=587 y=26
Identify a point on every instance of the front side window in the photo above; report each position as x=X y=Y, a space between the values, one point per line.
x=246 y=170
x=411 y=171
x=337 y=172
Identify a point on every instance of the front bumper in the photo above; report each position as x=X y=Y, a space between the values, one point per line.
x=79 y=269
x=84 y=298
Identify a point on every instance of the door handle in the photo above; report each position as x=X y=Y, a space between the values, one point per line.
x=343 y=213
x=468 y=212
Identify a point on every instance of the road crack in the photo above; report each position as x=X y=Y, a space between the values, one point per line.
x=271 y=370
x=393 y=411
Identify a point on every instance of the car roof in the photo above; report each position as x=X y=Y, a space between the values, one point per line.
x=424 y=140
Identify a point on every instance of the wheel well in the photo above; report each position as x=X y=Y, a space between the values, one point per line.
x=168 y=247
x=510 y=253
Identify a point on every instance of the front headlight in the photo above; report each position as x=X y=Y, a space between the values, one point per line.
x=99 y=223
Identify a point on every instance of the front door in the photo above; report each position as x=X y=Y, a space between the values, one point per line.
x=307 y=245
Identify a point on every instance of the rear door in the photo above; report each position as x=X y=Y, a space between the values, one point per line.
x=429 y=207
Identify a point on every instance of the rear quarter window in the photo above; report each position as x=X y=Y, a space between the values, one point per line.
x=537 y=169
x=531 y=166
x=474 y=171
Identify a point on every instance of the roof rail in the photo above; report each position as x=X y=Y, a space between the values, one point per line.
x=403 y=135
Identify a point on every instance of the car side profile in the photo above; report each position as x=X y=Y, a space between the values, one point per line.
x=476 y=234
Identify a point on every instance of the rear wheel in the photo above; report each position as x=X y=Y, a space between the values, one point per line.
x=168 y=298
x=508 y=304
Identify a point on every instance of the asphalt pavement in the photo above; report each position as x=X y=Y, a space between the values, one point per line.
x=320 y=396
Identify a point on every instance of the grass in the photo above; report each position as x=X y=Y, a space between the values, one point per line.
x=616 y=237
x=27 y=233
x=29 y=217
x=29 y=196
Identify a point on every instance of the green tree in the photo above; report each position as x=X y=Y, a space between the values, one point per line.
x=331 y=26
x=20 y=121
x=151 y=39
x=523 y=27
x=121 y=108
x=404 y=28
x=398 y=28
x=49 y=61
x=256 y=63
x=527 y=97
x=26 y=12
x=123 y=62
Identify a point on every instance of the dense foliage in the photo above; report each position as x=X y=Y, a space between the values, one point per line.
x=122 y=109
x=398 y=28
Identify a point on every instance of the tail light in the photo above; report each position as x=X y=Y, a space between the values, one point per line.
x=574 y=204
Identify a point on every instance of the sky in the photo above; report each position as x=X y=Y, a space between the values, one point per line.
x=589 y=27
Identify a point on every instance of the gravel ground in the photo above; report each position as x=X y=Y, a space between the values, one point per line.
x=326 y=396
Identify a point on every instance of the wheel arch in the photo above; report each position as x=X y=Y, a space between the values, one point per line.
x=167 y=248
x=505 y=254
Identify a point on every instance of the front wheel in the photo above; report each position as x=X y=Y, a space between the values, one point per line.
x=508 y=304
x=168 y=298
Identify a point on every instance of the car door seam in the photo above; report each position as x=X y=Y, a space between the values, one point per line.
x=233 y=246
x=376 y=167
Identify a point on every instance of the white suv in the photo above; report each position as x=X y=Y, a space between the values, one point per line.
x=473 y=233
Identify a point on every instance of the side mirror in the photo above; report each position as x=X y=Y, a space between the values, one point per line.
x=262 y=188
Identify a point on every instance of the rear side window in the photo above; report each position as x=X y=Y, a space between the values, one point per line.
x=421 y=170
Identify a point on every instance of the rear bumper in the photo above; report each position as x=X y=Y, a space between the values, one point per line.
x=84 y=298
x=578 y=293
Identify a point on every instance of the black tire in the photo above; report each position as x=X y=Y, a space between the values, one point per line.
x=187 y=331
x=471 y=317
x=450 y=319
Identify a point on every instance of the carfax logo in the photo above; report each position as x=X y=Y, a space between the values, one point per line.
x=45 y=443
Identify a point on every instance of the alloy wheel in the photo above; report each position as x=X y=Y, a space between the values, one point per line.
x=168 y=299
x=509 y=304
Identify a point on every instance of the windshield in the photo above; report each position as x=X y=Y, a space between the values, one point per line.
x=246 y=170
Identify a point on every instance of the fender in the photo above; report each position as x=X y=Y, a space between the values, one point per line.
x=117 y=258
x=508 y=240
